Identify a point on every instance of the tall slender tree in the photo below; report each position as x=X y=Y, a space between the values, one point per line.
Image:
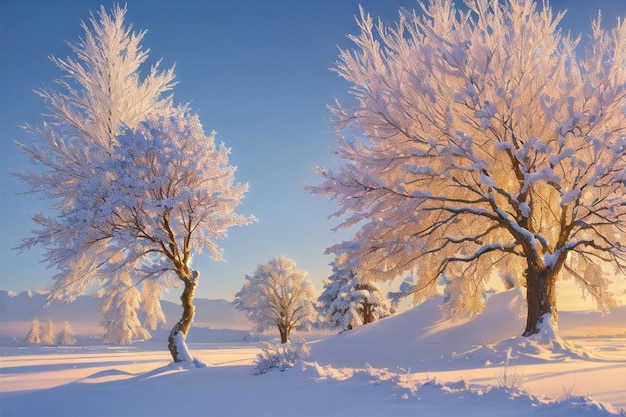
x=485 y=143
x=139 y=187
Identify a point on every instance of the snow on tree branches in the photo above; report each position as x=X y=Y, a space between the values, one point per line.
x=139 y=187
x=278 y=295
x=348 y=302
x=485 y=144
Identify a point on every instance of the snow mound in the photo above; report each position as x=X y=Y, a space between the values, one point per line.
x=421 y=339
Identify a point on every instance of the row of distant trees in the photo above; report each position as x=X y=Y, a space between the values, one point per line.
x=43 y=334
x=278 y=296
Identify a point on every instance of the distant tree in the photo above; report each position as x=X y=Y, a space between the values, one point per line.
x=484 y=144
x=278 y=295
x=34 y=334
x=139 y=187
x=121 y=302
x=151 y=293
x=66 y=336
x=348 y=302
x=47 y=333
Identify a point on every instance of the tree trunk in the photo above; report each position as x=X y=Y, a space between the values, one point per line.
x=284 y=333
x=178 y=335
x=541 y=298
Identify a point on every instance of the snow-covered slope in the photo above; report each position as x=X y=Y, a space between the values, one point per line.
x=504 y=317
x=410 y=364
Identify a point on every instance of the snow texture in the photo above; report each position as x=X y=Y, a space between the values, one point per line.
x=413 y=363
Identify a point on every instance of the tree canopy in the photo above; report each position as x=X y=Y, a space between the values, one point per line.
x=278 y=295
x=483 y=141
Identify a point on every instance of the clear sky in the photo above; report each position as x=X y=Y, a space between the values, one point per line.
x=255 y=71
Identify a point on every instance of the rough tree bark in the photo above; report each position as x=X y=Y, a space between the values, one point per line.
x=284 y=332
x=541 y=298
x=177 y=351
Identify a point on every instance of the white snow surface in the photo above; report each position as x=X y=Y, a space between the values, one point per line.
x=410 y=364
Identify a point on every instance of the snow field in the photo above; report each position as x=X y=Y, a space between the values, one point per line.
x=404 y=365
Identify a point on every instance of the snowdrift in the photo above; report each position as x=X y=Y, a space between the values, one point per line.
x=420 y=338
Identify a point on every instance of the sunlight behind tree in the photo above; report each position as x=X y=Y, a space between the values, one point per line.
x=483 y=143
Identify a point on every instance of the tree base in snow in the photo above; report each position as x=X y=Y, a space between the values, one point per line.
x=194 y=363
x=545 y=345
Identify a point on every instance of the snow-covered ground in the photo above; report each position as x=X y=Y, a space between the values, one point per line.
x=409 y=364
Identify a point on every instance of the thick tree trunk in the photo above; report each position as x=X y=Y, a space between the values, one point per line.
x=284 y=333
x=176 y=340
x=541 y=298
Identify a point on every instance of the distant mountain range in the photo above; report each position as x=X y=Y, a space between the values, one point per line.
x=17 y=312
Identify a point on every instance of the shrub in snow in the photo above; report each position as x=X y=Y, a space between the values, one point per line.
x=281 y=356
x=510 y=379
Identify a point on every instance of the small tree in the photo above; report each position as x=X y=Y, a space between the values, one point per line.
x=348 y=302
x=484 y=144
x=34 y=334
x=47 y=334
x=278 y=295
x=66 y=336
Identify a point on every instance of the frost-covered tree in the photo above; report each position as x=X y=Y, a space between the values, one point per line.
x=151 y=306
x=138 y=185
x=278 y=295
x=348 y=302
x=66 y=336
x=485 y=141
x=34 y=334
x=100 y=89
x=120 y=321
x=47 y=334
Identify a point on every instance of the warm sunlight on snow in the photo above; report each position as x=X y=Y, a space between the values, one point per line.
x=403 y=365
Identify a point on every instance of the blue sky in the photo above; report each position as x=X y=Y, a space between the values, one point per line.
x=255 y=71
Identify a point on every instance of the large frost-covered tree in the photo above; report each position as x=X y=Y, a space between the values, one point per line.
x=139 y=188
x=100 y=89
x=278 y=295
x=485 y=142
x=348 y=302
